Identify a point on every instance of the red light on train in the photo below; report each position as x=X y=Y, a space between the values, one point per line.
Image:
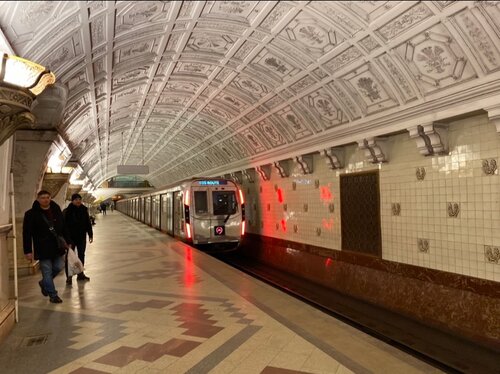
x=328 y=262
x=242 y=228
x=242 y=200
x=188 y=230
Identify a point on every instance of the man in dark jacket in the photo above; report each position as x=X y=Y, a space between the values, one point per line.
x=77 y=219
x=44 y=232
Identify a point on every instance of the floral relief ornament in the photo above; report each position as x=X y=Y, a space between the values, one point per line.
x=420 y=173
x=423 y=245
x=489 y=166
x=453 y=209
x=492 y=254
x=434 y=61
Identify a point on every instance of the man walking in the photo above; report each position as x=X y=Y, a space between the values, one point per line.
x=44 y=232
x=77 y=219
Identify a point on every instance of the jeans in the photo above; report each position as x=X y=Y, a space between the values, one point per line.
x=80 y=245
x=50 y=268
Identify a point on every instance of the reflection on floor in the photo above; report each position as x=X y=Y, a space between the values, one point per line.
x=154 y=305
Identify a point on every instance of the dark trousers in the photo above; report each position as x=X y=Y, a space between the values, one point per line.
x=80 y=245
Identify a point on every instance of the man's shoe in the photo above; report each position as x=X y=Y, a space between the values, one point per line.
x=56 y=300
x=69 y=281
x=82 y=277
x=44 y=293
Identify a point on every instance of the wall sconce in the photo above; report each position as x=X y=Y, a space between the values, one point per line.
x=20 y=82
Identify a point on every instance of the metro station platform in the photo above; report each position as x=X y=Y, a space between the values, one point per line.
x=156 y=305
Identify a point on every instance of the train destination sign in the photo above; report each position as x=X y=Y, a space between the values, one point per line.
x=212 y=182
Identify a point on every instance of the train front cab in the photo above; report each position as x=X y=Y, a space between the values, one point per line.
x=215 y=213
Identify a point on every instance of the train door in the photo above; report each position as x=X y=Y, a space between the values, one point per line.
x=178 y=214
x=147 y=211
x=156 y=211
x=200 y=210
x=141 y=205
x=166 y=213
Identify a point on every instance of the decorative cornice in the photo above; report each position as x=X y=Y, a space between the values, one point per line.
x=431 y=138
x=374 y=151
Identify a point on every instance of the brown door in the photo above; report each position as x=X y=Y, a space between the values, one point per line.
x=360 y=212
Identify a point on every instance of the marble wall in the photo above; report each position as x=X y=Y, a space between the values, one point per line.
x=6 y=287
x=439 y=212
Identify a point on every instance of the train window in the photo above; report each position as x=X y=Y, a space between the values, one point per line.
x=224 y=202
x=200 y=202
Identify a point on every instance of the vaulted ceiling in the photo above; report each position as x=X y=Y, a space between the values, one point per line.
x=220 y=85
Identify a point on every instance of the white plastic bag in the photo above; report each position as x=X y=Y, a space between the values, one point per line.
x=75 y=266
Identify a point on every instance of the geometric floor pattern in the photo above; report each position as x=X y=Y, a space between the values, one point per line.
x=156 y=305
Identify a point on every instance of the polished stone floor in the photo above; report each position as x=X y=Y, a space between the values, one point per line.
x=156 y=305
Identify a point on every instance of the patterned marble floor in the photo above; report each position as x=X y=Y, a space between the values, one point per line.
x=155 y=305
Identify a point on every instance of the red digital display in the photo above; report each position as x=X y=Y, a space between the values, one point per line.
x=219 y=230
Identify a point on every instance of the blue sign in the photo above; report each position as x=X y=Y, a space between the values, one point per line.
x=212 y=182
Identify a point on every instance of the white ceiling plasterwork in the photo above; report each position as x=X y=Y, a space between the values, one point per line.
x=217 y=86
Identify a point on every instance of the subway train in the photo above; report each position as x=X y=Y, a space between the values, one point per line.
x=206 y=212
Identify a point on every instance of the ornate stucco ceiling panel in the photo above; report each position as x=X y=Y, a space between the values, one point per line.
x=241 y=11
x=132 y=77
x=405 y=21
x=274 y=66
x=98 y=31
x=294 y=124
x=276 y=15
x=250 y=86
x=95 y=7
x=334 y=16
x=311 y=36
x=436 y=60
x=491 y=11
x=59 y=31
x=139 y=51
x=369 y=43
x=235 y=29
x=344 y=59
x=68 y=54
x=470 y=23
x=79 y=130
x=256 y=143
x=343 y=98
x=368 y=11
x=23 y=20
x=369 y=90
x=220 y=113
x=302 y=84
x=322 y=106
x=230 y=99
x=187 y=69
x=271 y=133
x=401 y=81
x=132 y=15
x=76 y=106
x=212 y=43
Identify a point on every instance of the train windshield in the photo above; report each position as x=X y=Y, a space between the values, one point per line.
x=200 y=202
x=224 y=202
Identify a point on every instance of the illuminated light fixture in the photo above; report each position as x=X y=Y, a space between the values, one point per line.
x=20 y=82
x=21 y=73
x=242 y=200
x=188 y=230
x=186 y=198
x=242 y=228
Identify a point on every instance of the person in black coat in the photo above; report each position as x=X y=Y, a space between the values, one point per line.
x=77 y=220
x=45 y=234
